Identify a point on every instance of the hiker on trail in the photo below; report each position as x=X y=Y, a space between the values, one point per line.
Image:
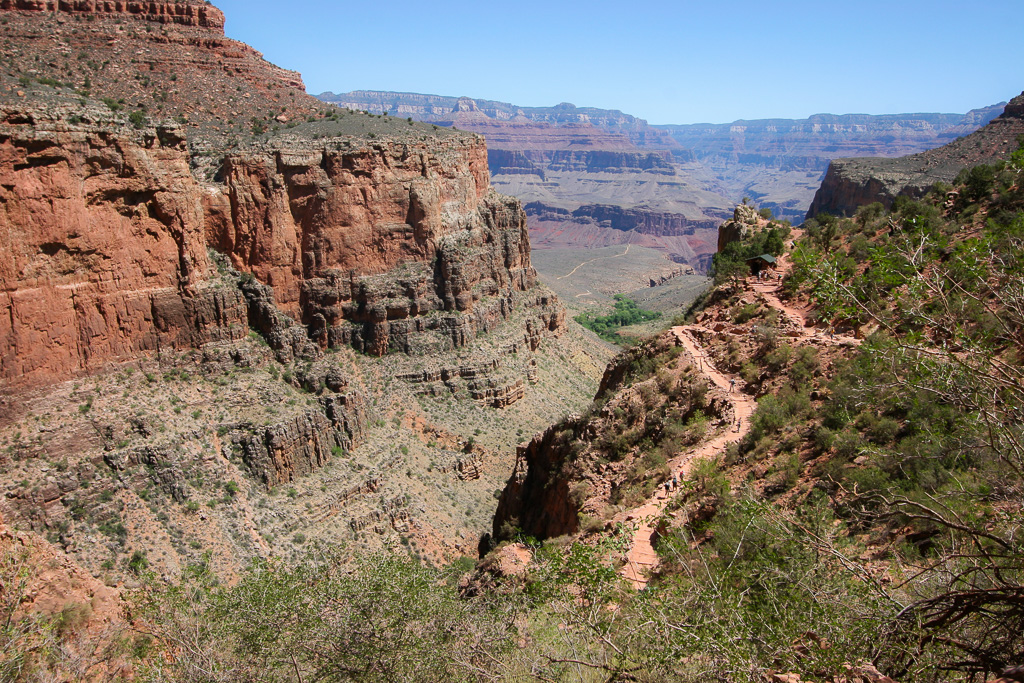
x=675 y=482
x=738 y=423
x=732 y=385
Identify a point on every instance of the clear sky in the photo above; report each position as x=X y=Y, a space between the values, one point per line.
x=668 y=62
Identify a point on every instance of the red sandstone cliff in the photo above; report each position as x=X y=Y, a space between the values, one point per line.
x=184 y=12
x=101 y=228
x=361 y=243
x=371 y=232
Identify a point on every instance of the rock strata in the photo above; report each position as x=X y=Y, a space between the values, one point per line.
x=378 y=247
x=851 y=183
x=183 y=12
x=105 y=258
x=280 y=453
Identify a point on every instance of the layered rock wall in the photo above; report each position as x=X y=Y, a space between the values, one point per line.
x=851 y=183
x=101 y=228
x=281 y=453
x=373 y=246
x=183 y=12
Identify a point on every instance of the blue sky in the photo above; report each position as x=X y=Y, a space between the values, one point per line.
x=667 y=62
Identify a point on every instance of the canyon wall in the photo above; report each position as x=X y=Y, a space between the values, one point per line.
x=778 y=163
x=364 y=231
x=101 y=227
x=579 y=171
x=378 y=246
x=851 y=183
x=183 y=12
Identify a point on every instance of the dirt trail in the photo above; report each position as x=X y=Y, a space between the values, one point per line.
x=641 y=558
x=599 y=258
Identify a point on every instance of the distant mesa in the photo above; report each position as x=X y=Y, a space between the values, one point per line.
x=589 y=177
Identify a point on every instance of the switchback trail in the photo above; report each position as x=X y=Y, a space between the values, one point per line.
x=641 y=557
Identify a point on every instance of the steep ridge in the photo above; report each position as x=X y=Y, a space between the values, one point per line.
x=850 y=183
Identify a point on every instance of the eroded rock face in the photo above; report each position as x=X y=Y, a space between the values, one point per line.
x=536 y=497
x=373 y=246
x=183 y=12
x=355 y=231
x=101 y=228
x=743 y=218
x=282 y=453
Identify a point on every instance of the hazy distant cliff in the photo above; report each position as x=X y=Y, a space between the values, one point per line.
x=704 y=169
x=850 y=183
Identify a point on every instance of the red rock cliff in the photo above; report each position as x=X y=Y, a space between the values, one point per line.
x=101 y=228
x=183 y=12
x=360 y=243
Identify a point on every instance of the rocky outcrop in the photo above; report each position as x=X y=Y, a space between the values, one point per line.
x=101 y=226
x=378 y=247
x=851 y=183
x=743 y=219
x=536 y=497
x=678 y=272
x=183 y=12
x=281 y=453
x=391 y=512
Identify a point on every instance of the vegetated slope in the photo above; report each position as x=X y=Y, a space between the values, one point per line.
x=872 y=510
x=864 y=527
x=850 y=183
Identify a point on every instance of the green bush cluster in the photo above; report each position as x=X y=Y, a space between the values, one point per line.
x=626 y=312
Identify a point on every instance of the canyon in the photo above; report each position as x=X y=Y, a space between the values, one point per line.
x=596 y=178
x=236 y=319
x=242 y=327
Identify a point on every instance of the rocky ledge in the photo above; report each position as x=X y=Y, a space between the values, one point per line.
x=182 y=12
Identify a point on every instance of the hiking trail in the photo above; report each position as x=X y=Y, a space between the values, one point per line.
x=641 y=558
